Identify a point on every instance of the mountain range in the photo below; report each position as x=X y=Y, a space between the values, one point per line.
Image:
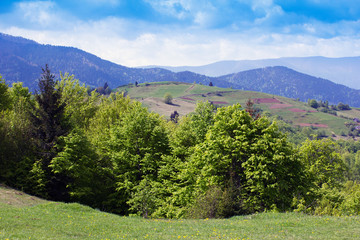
x=22 y=59
x=344 y=71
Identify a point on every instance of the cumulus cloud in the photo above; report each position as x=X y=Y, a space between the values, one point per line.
x=186 y=32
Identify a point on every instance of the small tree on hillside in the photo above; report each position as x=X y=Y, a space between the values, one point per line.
x=168 y=98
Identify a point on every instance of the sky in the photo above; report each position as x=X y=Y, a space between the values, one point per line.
x=189 y=32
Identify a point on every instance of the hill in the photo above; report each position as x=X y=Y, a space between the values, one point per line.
x=22 y=60
x=186 y=95
x=289 y=83
x=344 y=70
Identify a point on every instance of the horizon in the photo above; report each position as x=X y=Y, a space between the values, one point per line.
x=180 y=33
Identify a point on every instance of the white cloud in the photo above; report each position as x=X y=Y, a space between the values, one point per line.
x=138 y=43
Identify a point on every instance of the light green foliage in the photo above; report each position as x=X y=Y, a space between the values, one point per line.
x=249 y=156
x=322 y=162
x=136 y=144
x=4 y=97
x=80 y=106
x=15 y=138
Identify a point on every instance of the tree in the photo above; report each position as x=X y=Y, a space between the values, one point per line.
x=168 y=98
x=174 y=116
x=15 y=137
x=322 y=162
x=254 y=113
x=313 y=103
x=48 y=124
x=80 y=104
x=248 y=157
x=4 y=96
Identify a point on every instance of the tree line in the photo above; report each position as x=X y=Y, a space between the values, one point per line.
x=63 y=143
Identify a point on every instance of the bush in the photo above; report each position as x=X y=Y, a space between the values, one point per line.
x=168 y=98
x=215 y=203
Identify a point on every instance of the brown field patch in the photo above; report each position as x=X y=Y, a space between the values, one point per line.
x=280 y=106
x=158 y=105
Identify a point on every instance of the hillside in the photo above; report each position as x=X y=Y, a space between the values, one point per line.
x=55 y=220
x=22 y=60
x=186 y=95
x=344 y=70
x=289 y=83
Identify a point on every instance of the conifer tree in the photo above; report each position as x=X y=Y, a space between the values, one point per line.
x=48 y=123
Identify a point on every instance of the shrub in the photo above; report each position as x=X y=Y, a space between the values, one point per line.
x=168 y=98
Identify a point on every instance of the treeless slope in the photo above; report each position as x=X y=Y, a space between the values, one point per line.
x=17 y=198
x=158 y=105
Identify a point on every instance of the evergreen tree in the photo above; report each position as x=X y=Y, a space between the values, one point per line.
x=48 y=124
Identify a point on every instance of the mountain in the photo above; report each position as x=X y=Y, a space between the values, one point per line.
x=290 y=83
x=22 y=59
x=344 y=71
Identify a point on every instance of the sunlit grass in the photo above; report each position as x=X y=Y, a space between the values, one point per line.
x=74 y=221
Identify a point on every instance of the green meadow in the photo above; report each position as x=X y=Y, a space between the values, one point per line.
x=54 y=220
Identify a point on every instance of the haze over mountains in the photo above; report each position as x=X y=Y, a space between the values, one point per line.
x=344 y=71
x=22 y=59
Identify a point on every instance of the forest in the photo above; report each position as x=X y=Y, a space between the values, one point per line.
x=66 y=143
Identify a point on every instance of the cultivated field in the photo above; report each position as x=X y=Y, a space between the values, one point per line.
x=186 y=95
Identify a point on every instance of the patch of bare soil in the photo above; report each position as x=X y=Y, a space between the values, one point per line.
x=17 y=198
x=157 y=105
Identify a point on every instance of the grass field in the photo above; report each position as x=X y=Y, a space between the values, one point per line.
x=74 y=221
x=51 y=220
x=186 y=95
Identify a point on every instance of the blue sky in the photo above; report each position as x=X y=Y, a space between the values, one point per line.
x=189 y=32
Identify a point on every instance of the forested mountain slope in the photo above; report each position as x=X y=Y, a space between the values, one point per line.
x=289 y=83
x=21 y=60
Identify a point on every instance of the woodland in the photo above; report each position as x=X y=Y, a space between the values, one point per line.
x=66 y=143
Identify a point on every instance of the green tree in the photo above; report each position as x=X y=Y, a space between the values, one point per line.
x=4 y=96
x=80 y=106
x=322 y=162
x=313 y=103
x=48 y=124
x=249 y=157
x=168 y=98
x=16 y=146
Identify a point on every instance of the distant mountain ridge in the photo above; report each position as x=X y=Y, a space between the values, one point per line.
x=344 y=71
x=21 y=61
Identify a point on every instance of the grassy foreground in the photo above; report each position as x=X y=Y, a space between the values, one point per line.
x=73 y=221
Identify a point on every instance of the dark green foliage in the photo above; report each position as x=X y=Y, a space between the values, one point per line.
x=168 y=98
x=313 y=103
x=342 y=106
x=48 y=124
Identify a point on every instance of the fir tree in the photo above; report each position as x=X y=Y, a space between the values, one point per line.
x=48 y=123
